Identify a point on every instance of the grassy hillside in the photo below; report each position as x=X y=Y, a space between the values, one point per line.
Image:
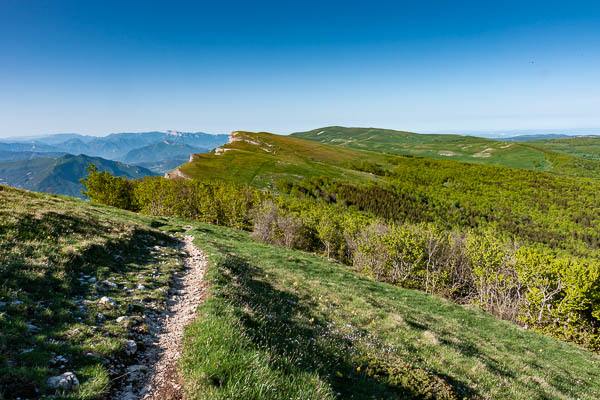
x=279 y=323
x=286 y=324
x=260 y=159
x=533 y=206
x=58 y=258
x=585 y=147
x=453 y=147
x=61 y=175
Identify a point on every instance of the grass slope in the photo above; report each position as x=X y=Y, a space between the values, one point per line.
x=585 y=147
x=455 y=147
x=259 y=159
x=284 y=324
x=278 y=324
x=58 y=258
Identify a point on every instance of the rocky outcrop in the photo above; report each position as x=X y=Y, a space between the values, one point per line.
x=176 y=174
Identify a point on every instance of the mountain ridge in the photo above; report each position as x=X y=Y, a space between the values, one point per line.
x=61 y=175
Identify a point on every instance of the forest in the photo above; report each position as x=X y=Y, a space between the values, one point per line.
x=477 y=235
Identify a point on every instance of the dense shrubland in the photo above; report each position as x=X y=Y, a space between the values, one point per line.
x=525 y=265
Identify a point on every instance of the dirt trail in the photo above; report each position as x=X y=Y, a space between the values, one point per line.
x=156 y=375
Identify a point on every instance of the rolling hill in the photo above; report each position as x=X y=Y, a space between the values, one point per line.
x=277 y=323
x=61 y=175
x=260 y=159
x=587 y=147
x=449 y=193
x=455 y=147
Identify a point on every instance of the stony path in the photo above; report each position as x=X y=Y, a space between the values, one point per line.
x=156 y=375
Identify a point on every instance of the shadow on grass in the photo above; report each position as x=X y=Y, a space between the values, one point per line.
x=281 y=322
x=47 y=282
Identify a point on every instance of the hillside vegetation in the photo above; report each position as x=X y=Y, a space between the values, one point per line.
x=278 y=323
x=520 y=244
x=285 y=324
x=584 y=147
x=455 y=147
x=261 y=159
x=556 y=211
x=77 y=282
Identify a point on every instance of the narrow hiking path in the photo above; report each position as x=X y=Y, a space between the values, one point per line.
x=155 y=377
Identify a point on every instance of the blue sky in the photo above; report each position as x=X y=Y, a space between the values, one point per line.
x=96 y=67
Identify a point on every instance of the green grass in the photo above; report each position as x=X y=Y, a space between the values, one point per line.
x=538 y=156
x=285 y=324
x=58 y=257
x=584 y=147
x=260 y=159
x=278 y=324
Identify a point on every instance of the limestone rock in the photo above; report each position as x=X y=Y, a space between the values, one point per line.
x=108 y=302
x=67 y=381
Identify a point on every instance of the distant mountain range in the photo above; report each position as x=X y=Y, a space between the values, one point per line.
x=61 y=175
x=511 y=133
x=47 y=163
x=112 y=147
x=522 y=138
x=163 y=151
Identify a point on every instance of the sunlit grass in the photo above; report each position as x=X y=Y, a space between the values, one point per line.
x=333 y=329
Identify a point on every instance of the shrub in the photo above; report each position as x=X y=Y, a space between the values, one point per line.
x=105 y=188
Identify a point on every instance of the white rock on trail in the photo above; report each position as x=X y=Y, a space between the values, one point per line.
x=108 y=302
x=67 y=381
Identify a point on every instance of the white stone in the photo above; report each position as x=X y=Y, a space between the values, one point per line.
x=108 y=302
x=67 y=381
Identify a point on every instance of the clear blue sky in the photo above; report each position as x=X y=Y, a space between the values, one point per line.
x=96 y=67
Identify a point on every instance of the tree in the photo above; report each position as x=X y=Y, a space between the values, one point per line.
x=105 y=188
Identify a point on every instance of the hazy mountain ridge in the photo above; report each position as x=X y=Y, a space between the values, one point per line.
x=31 y=162
x=61 y=175
x=162 y=151
x=112 y=147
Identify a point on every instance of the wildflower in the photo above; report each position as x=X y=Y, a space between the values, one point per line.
x=311 y=320
x=339 y=374
x=358 y=368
